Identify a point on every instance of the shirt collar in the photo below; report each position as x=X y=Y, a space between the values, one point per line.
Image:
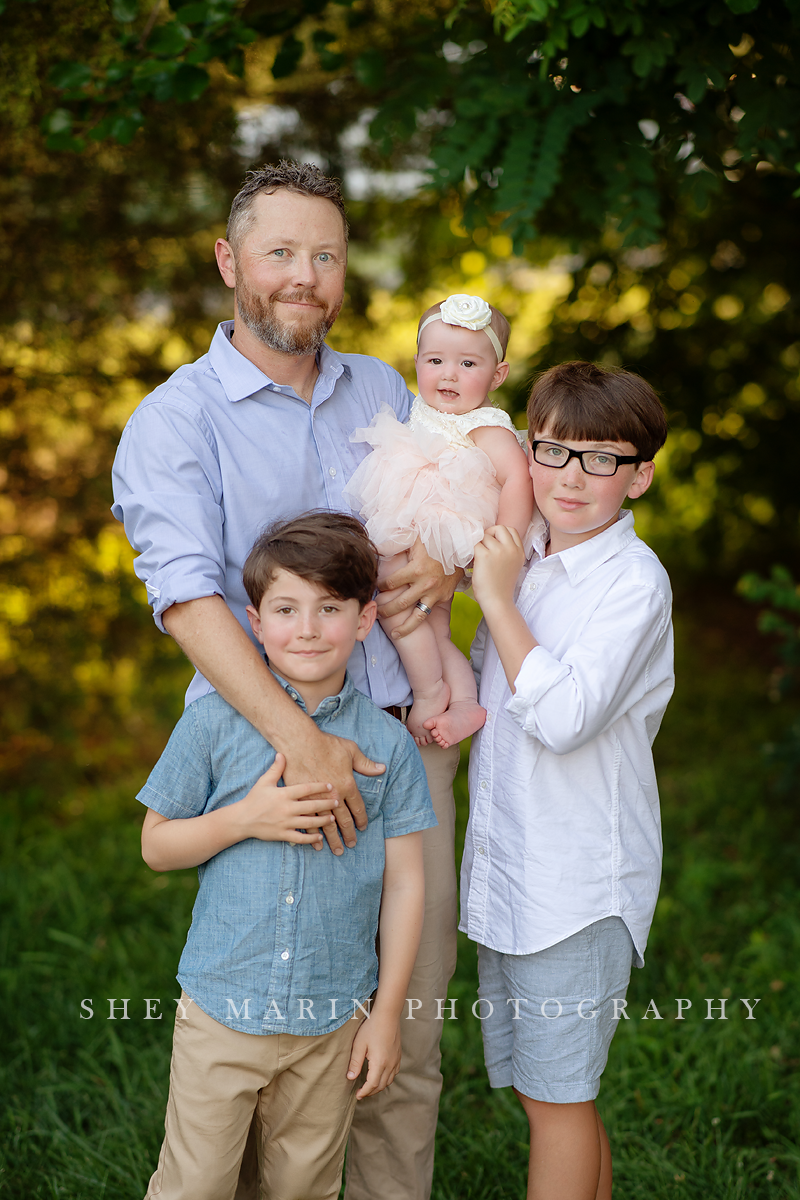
x=579 y=561
x=241 y=378
x=326 y=707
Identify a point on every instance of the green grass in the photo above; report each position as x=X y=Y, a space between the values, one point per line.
x=697 y=1108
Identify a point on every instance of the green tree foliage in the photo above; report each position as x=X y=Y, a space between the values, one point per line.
x=587 y=111
x=561 y=115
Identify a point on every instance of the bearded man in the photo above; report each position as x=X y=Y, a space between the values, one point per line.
x=254 y=431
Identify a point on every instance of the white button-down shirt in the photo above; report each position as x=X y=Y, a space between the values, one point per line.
x=564 y=824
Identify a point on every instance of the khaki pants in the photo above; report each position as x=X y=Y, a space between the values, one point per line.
x=297 y=1087
x=390 y=1152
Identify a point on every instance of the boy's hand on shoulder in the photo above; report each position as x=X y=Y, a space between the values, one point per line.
x=377 y=1040
x=281 y=814
x=499 y=558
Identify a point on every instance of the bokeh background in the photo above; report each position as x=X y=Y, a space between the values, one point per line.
x=663 y=237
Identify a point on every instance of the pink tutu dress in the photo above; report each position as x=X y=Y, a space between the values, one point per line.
x=427 y=480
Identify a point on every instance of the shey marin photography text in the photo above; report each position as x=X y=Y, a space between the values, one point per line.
x=680 y=1008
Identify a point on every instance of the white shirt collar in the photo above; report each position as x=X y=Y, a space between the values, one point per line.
x=579 y=561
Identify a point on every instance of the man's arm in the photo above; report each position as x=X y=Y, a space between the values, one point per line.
x=268 y=812
x=402 y=907
x=214 y=641
x=175 y=520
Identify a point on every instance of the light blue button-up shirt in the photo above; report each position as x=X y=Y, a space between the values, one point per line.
x=275 y=924
x=218 y=452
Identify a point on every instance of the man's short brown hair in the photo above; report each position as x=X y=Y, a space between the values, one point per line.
x=587 y=402
x=498 y=323
x=328 y=548
x=303 y=178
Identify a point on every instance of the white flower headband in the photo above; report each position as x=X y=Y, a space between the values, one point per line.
x=470 y=312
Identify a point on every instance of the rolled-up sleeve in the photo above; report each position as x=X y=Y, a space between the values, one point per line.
x=568 y=699
x=168 y=495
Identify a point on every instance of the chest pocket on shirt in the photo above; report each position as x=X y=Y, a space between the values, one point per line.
x=371 y=788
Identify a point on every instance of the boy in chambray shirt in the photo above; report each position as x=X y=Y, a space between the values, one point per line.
x=563 y=852
x=280 y=961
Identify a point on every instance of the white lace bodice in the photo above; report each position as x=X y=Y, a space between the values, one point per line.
x=456 y=427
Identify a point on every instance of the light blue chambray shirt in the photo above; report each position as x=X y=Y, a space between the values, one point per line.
x=218 y=452
x=275 y=923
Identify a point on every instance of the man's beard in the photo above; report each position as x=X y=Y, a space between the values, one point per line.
x=263 y=322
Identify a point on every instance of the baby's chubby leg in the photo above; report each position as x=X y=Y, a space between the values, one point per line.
x=464 y=715
x=419 y=654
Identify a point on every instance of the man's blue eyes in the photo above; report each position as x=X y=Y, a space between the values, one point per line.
x=321 y=257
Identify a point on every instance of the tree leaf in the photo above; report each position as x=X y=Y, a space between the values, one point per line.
x=168 y=40
x=189 y=82
x=742 y=6
x=193 y=14
x=69 y=75
x=57 y=121
x=370 y=69
x=124 y=11
x=288 y=57
x=123 y=128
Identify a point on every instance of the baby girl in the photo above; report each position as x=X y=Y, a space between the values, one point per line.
x=453 y=471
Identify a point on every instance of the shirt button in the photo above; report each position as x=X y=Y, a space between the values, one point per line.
x=484 y=784
x=481 y=850
x=374 y=660
x=331 y=471
x=290 y=899
x=285 y=955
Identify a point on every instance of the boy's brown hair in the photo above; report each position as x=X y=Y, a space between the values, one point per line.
x=586 y=402
x=328 y=548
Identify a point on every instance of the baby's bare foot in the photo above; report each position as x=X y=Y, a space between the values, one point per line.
x=461 y=720
x=425 y=708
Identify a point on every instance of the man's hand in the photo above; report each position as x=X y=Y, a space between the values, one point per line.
x=498 y=561
x=322 y=756
x=377 y=1040
x=422 y=579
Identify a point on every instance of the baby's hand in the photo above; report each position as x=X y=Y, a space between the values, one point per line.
x=282 y=814
x=378 y=1041
x=498 y=561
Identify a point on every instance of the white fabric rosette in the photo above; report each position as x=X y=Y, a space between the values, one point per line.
x=471 y=312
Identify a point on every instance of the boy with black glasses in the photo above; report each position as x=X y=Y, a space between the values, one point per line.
x=563 y=853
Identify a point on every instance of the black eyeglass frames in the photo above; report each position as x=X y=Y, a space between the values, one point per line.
x=593 y=462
